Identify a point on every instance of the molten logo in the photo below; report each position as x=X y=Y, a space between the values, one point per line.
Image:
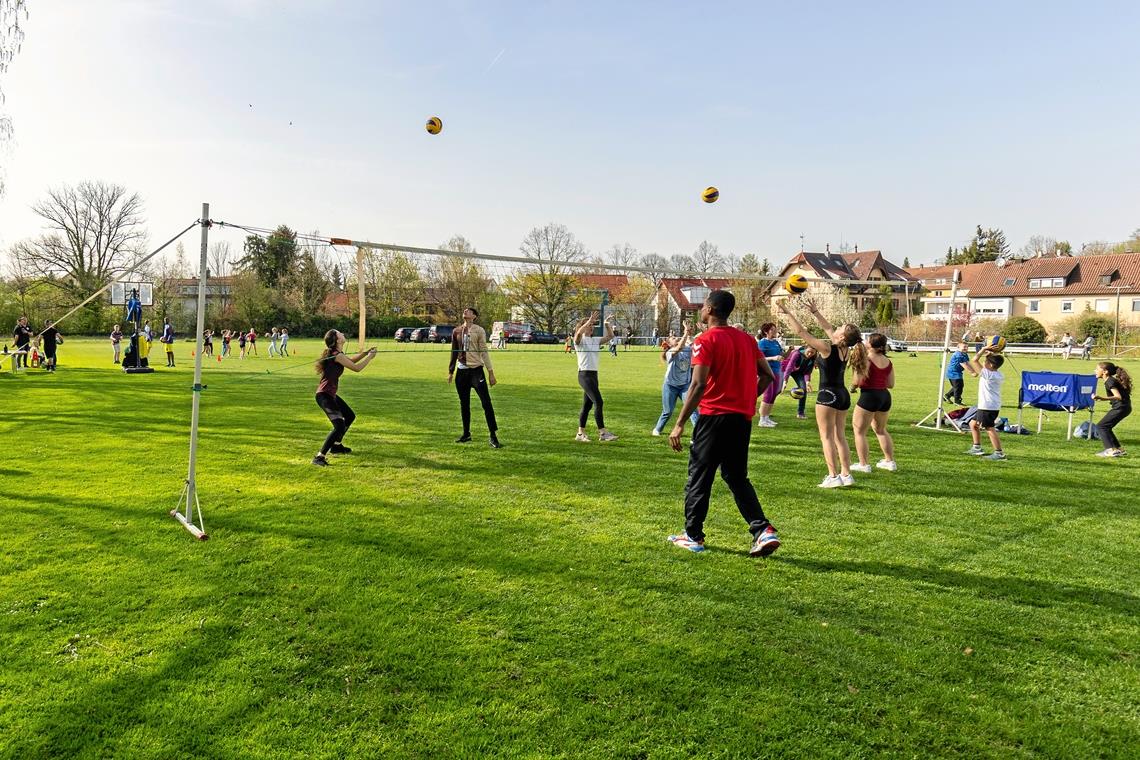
x=1047 y=387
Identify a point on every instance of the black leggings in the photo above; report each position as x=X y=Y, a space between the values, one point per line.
x=592 y=397
x=339 y=414
x=465 y=380
x=1107 y=423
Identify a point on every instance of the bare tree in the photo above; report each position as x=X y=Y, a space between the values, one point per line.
x=1044 y=245
x=551 y=243
x=11 y=37
x=218 y=259
x=94 y=229
x=657 y=264
x=624 y=255
x=707 y=258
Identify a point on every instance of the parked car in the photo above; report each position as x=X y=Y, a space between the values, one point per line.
x=404 y=334
x=419 y=335
x=440 y=333
x=538 y=336
x=513 y=330
x=892 y=343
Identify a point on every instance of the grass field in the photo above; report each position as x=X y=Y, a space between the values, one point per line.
x=420 y=598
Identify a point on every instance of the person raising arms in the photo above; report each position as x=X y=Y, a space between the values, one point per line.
x=832 y=401
x=874 y=376
x=330 y=366
x=588 y=347
x=1118 y=394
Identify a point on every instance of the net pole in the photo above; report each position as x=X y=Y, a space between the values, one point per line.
x=190 y=494
x=360 y=295
x=946 y=347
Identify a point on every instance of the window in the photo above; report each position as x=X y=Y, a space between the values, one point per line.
x=1102 y=305
x=1136 y=304
x=1106 y=279
x=1047 y=282
x=1066 y=307
x=1034 y=306
x=1009 y=281
x=940 y=281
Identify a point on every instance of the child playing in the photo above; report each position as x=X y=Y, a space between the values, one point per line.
x=989 y=402
x=959 y=361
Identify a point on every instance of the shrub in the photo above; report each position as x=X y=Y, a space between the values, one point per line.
x=1097 y=326
x=1024 y=330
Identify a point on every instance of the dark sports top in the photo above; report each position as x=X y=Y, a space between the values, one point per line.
x=1125 y=400
x=50 y=338
x=23 y=336
x=876 y=379
x=331 y=370
x=831 y=369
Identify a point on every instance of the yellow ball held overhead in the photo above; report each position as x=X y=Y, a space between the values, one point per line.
x=995 y=343
x=796 y=284
x=710 y=195
x=434 y=125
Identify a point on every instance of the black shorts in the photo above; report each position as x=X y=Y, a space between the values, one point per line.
x=986 y=418
x=874 y=400
x=331 y=406
x=836 y=398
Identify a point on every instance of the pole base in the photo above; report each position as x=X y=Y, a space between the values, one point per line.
x=138 y=370
x=194 y=529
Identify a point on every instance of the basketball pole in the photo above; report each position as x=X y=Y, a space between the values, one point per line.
x=937 y=413
x=190 y=492
x=360 y=295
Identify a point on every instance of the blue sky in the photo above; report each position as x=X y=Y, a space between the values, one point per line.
x=896 y=126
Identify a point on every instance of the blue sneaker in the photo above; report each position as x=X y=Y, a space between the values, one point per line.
x=766 y=543
x=685 y=542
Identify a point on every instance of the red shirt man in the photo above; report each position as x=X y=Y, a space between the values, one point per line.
x=733 y=358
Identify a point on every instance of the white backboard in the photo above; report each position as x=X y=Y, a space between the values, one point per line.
x=120 y=291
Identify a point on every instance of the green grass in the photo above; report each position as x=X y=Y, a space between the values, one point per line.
x=423 y=599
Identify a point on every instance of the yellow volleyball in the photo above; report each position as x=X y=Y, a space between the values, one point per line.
x=710 y=195
x=434 y=125
x=796 y=284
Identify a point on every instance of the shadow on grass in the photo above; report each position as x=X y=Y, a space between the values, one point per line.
x=1034 y=593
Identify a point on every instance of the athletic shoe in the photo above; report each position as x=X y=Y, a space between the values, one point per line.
x=1119 y=453
x=831 y=481
x=607 y=436
x=655 y=432
x=997 y=456
x=1106 y=453
x=582 y=438
x=320 y=461
x=495 y=442
x=339 y=448
x=766 y=543
x=682 y=540
x=886 y=464
x=766 y=423
x=975 y=451
x=801 y=416
x=846 y=480
x=860 y=468
x=463 y=438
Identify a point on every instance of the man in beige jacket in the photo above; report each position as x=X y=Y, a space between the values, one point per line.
x=469 y=356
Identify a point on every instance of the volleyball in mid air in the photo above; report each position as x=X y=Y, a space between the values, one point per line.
x=710 y=195
x=796 y=392
x=796 y=284
x=995 y=343
x=434 y=125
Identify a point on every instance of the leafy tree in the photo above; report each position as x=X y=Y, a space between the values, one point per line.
x=1024 y=330
x=457 y=283
x=884 y=312
x=255 y=304
x=311 y=287
x=547 y=293
x=1097 y=326
x=636 y=301
x=272 y=259
x=394 y=285
x=986 y=245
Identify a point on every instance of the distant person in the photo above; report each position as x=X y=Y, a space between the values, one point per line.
x=728 y=369
x=614 y=341
x=284 y=341
x=116 y=343
x=1067 y=346
x=956 y=368
x=678 y=358
x=22 y=334
x=469 y=357
x=569 y=344
x=628 y=337
x=242 y=337
x=774 y=354
x=50 y=340
x=274 y=336
x=1087 y=347
x=167 y=341
x=587 y=346
x=208 y=343
x=797 y=368
x=148 y=332
x=874 y=376
x=1118 y=394
x=251 y=340
x=226 y=338
x=987 y=366
x=832 y=400
x=330 y=366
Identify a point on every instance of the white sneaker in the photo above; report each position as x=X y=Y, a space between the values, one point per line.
x=886 y=464
x=860 y=468
x=765 y=423
x=831 y=481
x=607 y=436
x=656 y=432
x=846 y=480
x=582 y=438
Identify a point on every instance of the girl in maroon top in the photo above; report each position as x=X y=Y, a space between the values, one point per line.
x=874 y=377
x=330 y=366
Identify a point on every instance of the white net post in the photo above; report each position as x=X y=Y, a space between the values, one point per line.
x=190 y=492
x=937 y=413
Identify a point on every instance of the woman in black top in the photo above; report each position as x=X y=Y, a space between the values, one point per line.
x=1118 y=394
x=50 y=340
x=833 y=399
x=330 y=366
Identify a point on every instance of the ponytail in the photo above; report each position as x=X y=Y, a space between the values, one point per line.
x=858 y=359
x=1119 y=373
x=330 y=349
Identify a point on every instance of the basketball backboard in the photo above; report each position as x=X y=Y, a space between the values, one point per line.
x=121 y=291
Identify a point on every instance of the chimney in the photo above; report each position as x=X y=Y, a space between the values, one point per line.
x=856 y=248
x=829 y=248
